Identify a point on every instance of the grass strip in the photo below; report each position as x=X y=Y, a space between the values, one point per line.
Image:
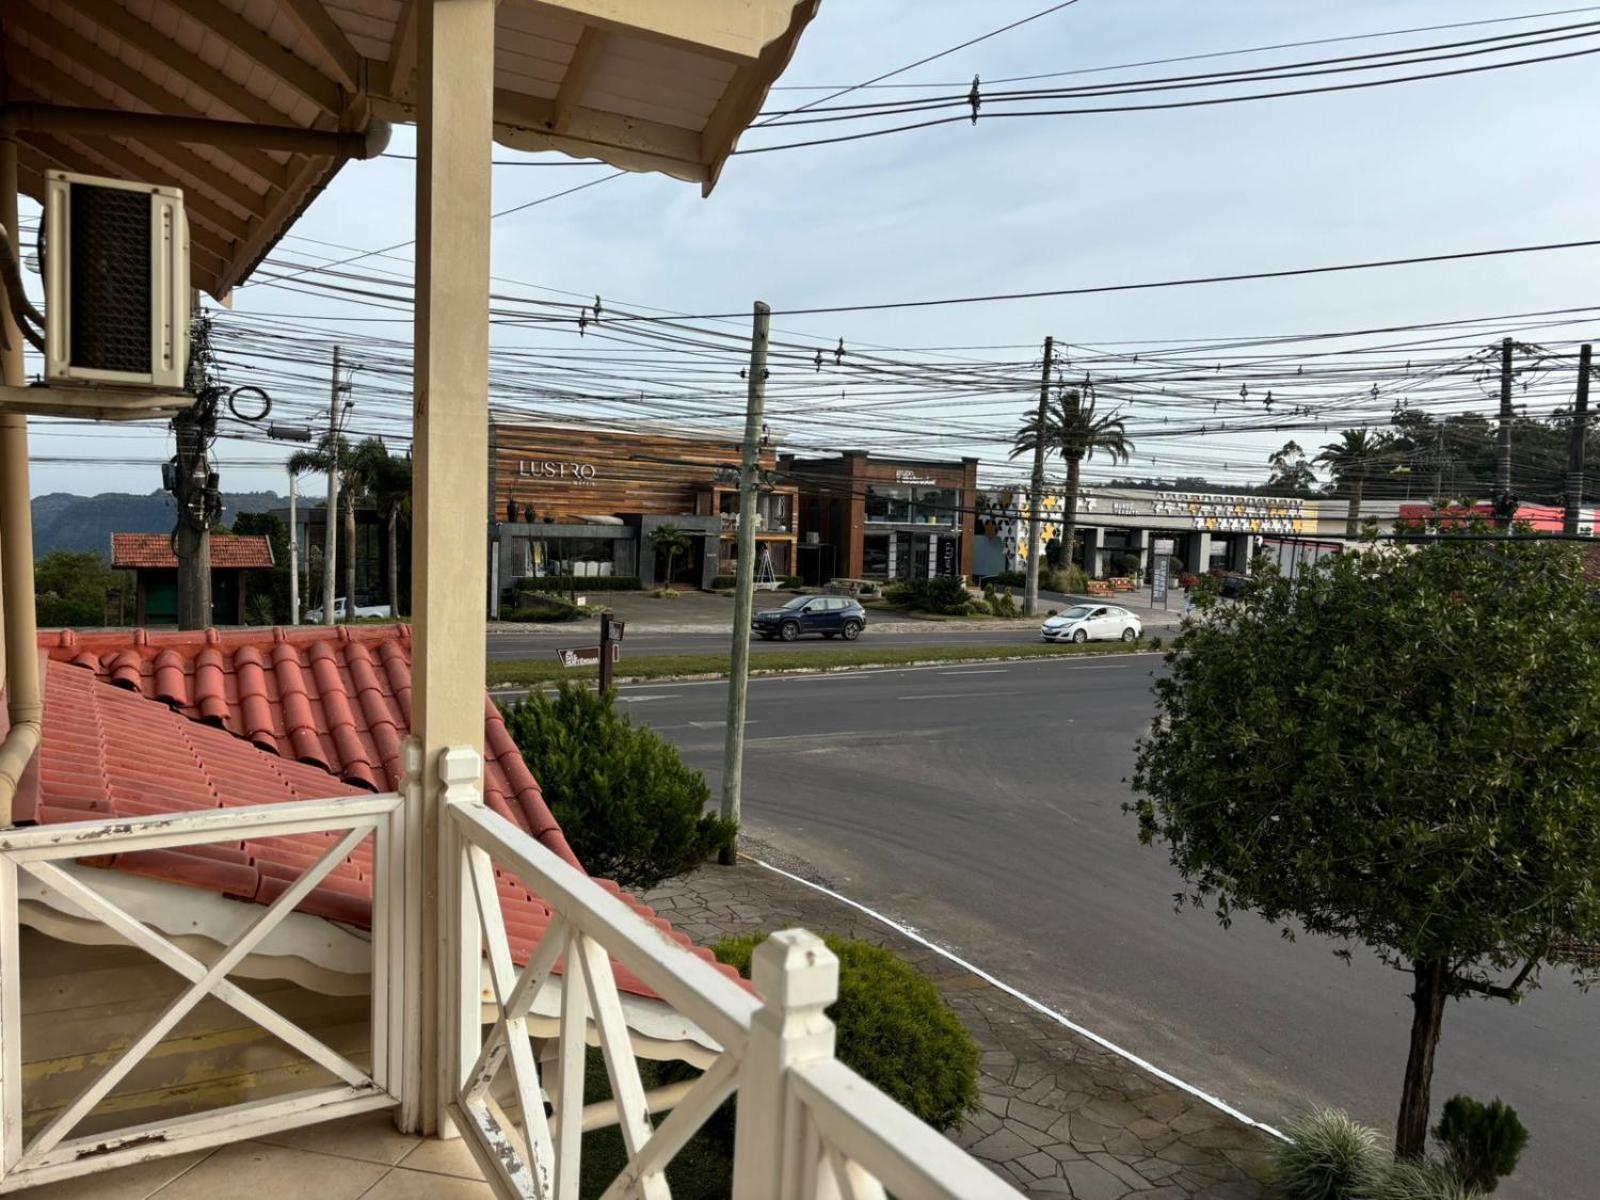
x=526 y=672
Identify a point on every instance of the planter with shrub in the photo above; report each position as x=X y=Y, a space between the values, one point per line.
x=540 y=607
x=787 y=583
x=578 y=583
x=943 y=596
x=630 y=808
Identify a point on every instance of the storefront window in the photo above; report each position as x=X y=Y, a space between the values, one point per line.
x=875 y=556
x=937 y=506
x=774 y=508
x=539 y=557
x=888 y=502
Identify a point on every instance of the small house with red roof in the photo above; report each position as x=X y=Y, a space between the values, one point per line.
x=154 y=562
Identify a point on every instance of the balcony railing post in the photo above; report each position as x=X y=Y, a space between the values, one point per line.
x=797 y=977
x=461 y=938
x=410 y=968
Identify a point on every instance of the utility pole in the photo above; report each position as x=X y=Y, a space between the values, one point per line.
x=1030 y=595
x=607 y=672
x=192 y=482
x=330 y=554
x=743 y=597
x=1580 y=419
x=1438 y=462
x=1505 y=505
x=294 y=549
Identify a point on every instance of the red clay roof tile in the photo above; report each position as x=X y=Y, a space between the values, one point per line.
x=229 y=551
x=139 y=723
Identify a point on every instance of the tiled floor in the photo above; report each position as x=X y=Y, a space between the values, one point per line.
x=359 y=1158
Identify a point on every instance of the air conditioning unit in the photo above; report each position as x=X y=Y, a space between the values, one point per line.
x=116 y=283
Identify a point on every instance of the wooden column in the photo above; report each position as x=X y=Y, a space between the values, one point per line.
x=454 y=128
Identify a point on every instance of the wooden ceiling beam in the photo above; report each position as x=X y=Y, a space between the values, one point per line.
x=56 y=84
x=317 y=23
x=84 y=53
x=403 y=52
x=580 y=70
x=276 y=60
x=150 y=41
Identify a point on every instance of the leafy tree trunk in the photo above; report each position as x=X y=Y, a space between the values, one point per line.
x=350 y=554
x=394 y=562
x=1069 y=527
x=671 y=555
x=1352 y=521
x=1427 y=1017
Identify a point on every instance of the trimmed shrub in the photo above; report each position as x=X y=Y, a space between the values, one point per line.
x=1010 y=579
x=895 y=1029
x=630 y=808
x=578 y=583
x=1482 y=1141
x=1070 y=580
x=1328 y=1157
x=788 y=583
x=540 y=606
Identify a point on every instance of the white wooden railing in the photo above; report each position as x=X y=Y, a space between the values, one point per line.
x=808 y=1127
x=52 y=1153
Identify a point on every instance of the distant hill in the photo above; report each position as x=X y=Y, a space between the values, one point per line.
x=62 y=521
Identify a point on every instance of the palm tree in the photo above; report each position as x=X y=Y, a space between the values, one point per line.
x=673 y=541
x=334 y=451
x=1351 y=459
x=1072 y=429
x=386 y=480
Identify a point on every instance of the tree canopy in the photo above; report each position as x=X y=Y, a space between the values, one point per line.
x=1400 y=748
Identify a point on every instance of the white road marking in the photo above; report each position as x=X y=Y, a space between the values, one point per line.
x=990 y=671
x=647 y=699
x=1038 y=1006
x=947 y=695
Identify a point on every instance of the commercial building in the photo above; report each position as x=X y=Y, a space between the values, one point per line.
x=883 y=518
x=584 y=502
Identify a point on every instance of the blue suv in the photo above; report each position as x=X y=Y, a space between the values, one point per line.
x=831 y=616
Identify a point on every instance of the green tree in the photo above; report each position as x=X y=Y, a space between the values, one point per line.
x=335 y=451
x=70 y=588
x=1291 y=473
x=277 y=534
x=1351 y=460
x=1073 y=429
x=386 y=478
x=1397 y=749
x=671 y=541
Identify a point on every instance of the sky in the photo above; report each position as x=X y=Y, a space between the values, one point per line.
x=1480 y=161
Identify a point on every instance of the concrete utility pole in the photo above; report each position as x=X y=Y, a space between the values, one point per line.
x=743 y=596
x=330 y=554
x=294 y=549
x=1030 y=595
x=1438 y=462
x=193 y=537
x=1504 y=505
x=1580 y=420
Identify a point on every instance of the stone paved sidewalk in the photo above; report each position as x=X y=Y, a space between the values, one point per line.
x=1060 y=1115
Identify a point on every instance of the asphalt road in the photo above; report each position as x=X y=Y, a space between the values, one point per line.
x=543 y=645
x=981 y=804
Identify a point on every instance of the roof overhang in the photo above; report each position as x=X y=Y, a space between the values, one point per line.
x=252 y=107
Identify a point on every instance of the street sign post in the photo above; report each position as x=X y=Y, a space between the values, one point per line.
x=1160 y=568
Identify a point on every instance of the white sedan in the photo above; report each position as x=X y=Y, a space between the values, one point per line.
x=1092 y=622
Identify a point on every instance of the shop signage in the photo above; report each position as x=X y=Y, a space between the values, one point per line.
x=1160 y=569
x=531 y=468
x=586 y=656
x=912 y=477
x=947 y=557
x=1234 y=514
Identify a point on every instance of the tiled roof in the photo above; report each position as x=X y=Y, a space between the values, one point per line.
x=229 y=551
x=139 y=723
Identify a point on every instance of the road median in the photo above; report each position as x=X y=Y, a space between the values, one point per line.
x=529 y=672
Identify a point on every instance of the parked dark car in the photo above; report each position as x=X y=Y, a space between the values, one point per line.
x=831 y=616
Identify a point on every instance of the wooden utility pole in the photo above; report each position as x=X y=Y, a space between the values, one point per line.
x=743 y=596
x=330 y=553
x=1580 y=420
x=1504 y=504
x=1030 y=595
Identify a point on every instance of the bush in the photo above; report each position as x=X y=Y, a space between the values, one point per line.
x=260 y=610
x=578 y=583
x=1419 y=1179
x=1000 y=603
x=1482 y=1141
x=630 y=808
x=536 y=606
x=788 y=583
x=946 y=596
x=1070 y=580
x=1011 y=579
x=1328 y=1157
x=895 y=1030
